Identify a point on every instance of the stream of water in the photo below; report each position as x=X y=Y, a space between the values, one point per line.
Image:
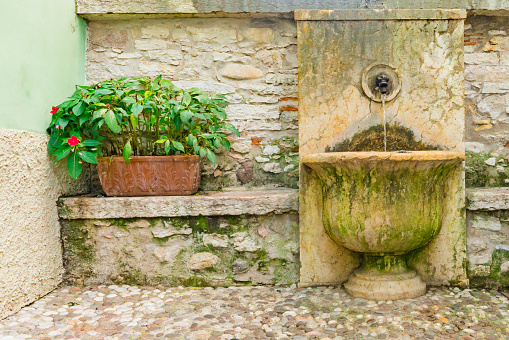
x=384 y=97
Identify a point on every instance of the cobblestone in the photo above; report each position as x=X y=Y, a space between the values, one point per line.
x=129 y=312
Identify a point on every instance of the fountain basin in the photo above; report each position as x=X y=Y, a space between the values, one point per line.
x=383 y=205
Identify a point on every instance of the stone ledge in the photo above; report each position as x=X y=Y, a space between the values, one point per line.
x=380 y=14
x=487 y=199
x=90 y=8
x=260 y=202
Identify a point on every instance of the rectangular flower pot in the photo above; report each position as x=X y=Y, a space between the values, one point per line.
x=150 y=175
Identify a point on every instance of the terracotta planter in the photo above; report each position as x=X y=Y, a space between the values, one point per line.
x=150 y=175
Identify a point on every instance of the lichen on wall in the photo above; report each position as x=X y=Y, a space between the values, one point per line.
x=189 y=251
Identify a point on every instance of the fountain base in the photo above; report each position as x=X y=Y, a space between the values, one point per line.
x=385 y=277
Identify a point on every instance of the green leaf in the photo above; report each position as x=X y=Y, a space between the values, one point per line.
x=62 y=152
x=203 y=152
x=91 y=142
x=186 y=116
x=62 y=122
x=136 y=109
x=203 y=99
x=111 y=121
x=211 y=156
x=73 y=165
x=234 y=130
x=102 y=92
x=84 y=118
x=129 y=100
x=127 y=151
x=99 y=113
x=52 y=143
x=167 y=146
x=186 y=99
x=226 y=143
x=89 y=157
x=166 y=83
x=134 y=121
x=178 y=146
x=79 y=108
x=217 y=143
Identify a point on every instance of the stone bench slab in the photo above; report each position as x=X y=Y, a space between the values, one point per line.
x=261 y=202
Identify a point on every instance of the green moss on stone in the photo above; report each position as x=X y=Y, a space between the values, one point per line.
x=479 y=174
x=372 y=139
x=79 y=254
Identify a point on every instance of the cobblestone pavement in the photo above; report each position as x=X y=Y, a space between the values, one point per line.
x=128 y=312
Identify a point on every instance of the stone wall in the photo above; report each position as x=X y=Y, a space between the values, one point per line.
x=237 y=243
x=251 y=61
x=488 y=237
x=487 y=100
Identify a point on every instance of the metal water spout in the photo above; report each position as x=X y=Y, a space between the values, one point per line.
x=382 y=84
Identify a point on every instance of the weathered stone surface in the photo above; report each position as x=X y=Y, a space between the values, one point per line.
x=495 y=88
x=270 y=150
x=93 y=255
x=482 y=58
x=216 y=240
x=203 y=261
x=247 y=111
x=168 y=230
x=169 y=253
x=205 y=86
x=243 y=242
x=88 y=7
x=489 y=199
x=259 y=35
x=207 y=204
x=241 y=72
x=213 y=34
x=273 y=167
x=240 y=266
x=245 y=173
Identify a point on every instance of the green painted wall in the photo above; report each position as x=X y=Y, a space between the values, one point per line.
x=42 y=58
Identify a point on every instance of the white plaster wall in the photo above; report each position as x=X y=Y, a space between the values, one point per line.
x=30 y=249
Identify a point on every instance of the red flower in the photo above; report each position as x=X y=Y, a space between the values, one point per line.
x=73 y=141
x=54 y=110
x=108 y=106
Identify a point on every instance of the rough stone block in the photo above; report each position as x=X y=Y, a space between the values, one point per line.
x=222 y=35
x=205 y=86
x=259 y=35
x=202 y=261
x=216 y=240
x=486 y=222
x=241 y=72
x=247 y=111
x=482 y=58
x=155 y=31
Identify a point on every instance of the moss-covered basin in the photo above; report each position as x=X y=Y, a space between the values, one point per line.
x=383 y=202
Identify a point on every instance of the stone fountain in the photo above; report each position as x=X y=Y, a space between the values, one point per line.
x=388 y=222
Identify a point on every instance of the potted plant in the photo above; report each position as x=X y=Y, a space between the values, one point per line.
x=146 y=136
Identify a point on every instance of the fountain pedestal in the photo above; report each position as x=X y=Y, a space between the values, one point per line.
x=385 y=277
